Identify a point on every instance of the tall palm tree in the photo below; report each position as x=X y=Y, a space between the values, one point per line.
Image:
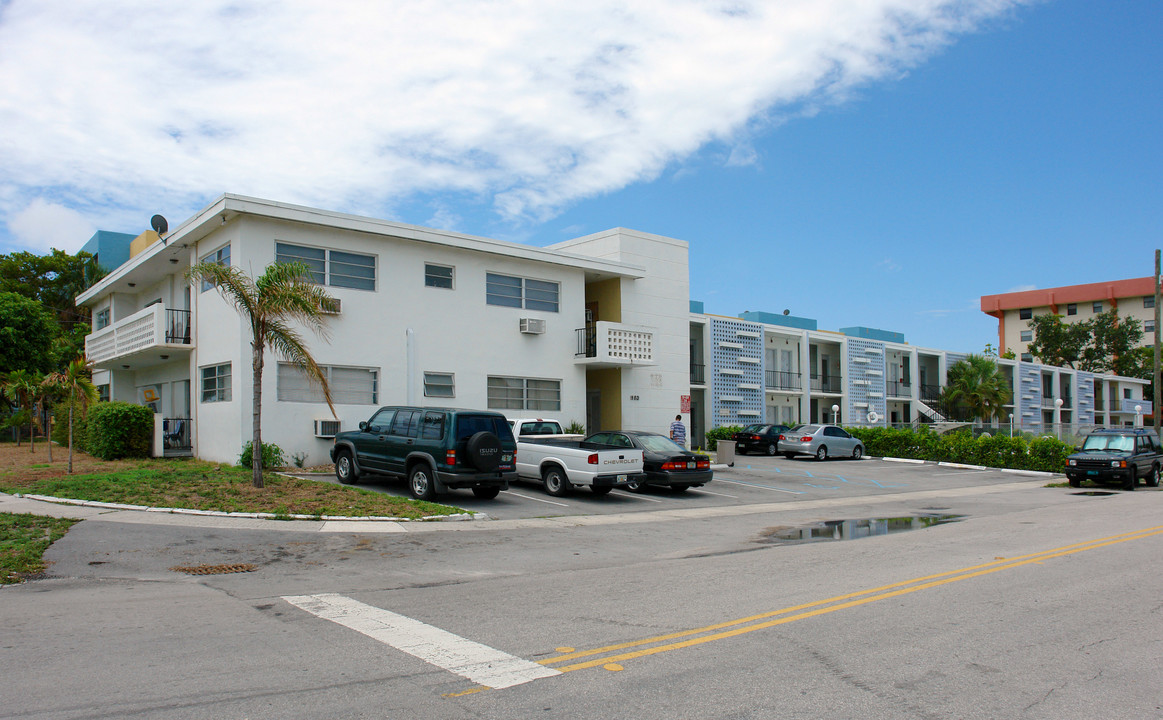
x=978 y=385
x=285 y=292
x=78 y=387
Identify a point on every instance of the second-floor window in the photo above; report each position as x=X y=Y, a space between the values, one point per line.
x=438 y=276
x=1025 y=313
x=220 y=256
x=216 y=383
x=1148 y=301
x=1072 y=309
x=332 y=267
x=1027 y=335
x=519 y=292
x=102 y=318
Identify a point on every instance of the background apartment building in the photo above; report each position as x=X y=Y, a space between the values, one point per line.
x=1132 y=298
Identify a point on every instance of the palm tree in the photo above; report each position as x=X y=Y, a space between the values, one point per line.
x=16 y=385
x=21 y=386
x=285 y=292
x=978 y=385
x=78 y=387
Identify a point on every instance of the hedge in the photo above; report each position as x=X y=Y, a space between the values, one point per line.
x=720 y=433
x=1045 y=454
x=118 y=430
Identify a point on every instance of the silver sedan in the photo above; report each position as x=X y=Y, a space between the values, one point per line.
x=822 y=441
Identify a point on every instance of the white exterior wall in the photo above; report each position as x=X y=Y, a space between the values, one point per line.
x=660 y=303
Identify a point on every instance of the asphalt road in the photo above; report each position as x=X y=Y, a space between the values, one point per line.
x=1039 y=603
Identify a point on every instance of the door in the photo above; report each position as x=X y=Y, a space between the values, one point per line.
x=369 y=444
x=401 y=439
x=593 y=412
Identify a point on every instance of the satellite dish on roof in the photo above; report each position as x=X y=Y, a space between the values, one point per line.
x=159 y=224
x=787 y=312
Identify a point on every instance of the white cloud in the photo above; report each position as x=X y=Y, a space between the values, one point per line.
x=43 y=226
x=133 y=105
x=1022 y=288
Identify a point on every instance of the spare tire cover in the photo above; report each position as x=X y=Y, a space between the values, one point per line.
x=484 y=451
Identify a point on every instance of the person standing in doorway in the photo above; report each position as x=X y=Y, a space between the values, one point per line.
x=678 y=431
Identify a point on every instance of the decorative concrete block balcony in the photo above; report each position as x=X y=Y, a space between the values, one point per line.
x=607 y=344
x=148 y=337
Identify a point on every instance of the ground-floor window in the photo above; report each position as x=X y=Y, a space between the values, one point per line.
x=103 y=393
x=216 y=383
x=513 y=393
x=439 y=385
x=349 y=385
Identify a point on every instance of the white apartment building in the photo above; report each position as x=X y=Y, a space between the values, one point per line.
x=593 y=330
x=767 y=368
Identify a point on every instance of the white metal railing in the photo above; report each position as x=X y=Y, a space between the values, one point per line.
x=142 y=330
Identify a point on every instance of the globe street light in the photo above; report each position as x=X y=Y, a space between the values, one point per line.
x=836 y=414
x=1058 y=416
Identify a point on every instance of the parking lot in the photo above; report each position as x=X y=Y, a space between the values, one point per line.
x=753 y=480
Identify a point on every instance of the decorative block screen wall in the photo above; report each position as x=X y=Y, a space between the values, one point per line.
x=1029 y=394
x=1084 y=392
x=737 y=372
x=864 y=375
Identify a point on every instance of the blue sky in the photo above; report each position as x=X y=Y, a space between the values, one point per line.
x=861 y=162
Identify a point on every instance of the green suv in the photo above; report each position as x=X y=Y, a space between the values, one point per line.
x=436 y=449
x=1117 y=455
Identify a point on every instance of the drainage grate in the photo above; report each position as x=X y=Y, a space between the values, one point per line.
x=214 y=569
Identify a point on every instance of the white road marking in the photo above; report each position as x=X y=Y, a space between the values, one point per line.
x=764 y=487
x=701 y=491
x=636 y=496
x=529 y=497
x=479 y=663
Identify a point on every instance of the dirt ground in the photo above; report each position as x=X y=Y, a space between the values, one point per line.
x=32 y=464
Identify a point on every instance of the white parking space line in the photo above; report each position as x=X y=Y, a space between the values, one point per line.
x=636 y=496
x=701 y=491
x=764 y=487
x=479 y=663
x=529 y=497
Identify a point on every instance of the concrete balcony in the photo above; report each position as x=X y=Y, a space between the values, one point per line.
x=607 y=344
x=148 y=337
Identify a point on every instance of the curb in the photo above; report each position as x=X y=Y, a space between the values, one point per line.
x=459 y=517
x=911 y=461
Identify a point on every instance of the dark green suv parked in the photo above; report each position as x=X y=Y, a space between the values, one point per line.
x=1117 y=455
x=436 y=449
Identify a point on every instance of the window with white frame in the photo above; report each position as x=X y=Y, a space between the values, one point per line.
x=216 y=383
x=1149 y=326
x=221 y=256
x=1148 y=301
x=438 y=276
x=102 y=319
x=332 y=267
x=518 y=292
x=1027 y=357
x=1027 y=336
x=439 y=385
x=348 y=385
x=514 y=393
x=1096 y=307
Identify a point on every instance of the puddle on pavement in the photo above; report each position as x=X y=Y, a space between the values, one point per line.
x=851 y=529
x=1095 y=493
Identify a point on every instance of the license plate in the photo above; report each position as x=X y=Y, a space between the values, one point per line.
x=622 y=478
x=690 y=466
x=1092 y=472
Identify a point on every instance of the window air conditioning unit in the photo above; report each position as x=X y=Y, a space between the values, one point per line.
x=532 y=326
x=333 y=306
x=326 y=428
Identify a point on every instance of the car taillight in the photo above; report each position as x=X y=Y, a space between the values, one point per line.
x=673 y=466
x=450 y=457
x=806 y=438
x=592 y=459
x=703 y=464
x=781 y=437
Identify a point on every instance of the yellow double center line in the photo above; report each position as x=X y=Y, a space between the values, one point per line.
x=613 y=654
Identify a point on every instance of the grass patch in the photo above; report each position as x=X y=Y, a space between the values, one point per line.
x=23 y=540
x=199 y=485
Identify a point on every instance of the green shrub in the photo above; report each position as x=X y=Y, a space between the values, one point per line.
x=720 y=433
x=118 y=430
x=1048 y=454
x=575 y=428
x=1044 y=454
x=60 y=428
x=272 y=456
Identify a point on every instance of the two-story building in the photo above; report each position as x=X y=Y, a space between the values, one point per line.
x=593 y=330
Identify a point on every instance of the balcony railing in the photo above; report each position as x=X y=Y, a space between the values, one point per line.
x=698 y=374
x=899 y=388
x=614 y=344
x=780 y=380
x=141 y=332
x=827 y=383
x=930 y=394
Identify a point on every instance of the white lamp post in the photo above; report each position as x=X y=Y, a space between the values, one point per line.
x=1058 y=416
x=1011 y=424
x=836 y=414
x=1138 y=416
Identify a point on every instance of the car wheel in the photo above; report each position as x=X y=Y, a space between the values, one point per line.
x=1130 y=482
x=788 y=455
x=345 y=470
x=679 y=487
x=486 y=493
x=420 y=482
x=822 y=453
x=601 y=489
x=1153 y=478
x=1075 y=482
x=857 y=452
x=636 y=486
x=555 y=482
x=772 y=449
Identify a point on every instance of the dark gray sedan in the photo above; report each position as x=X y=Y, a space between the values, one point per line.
x=821 y=441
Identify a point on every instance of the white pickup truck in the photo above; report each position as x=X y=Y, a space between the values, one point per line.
x=561 y=461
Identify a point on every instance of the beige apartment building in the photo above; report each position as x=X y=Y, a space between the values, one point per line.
x=1133 y=298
